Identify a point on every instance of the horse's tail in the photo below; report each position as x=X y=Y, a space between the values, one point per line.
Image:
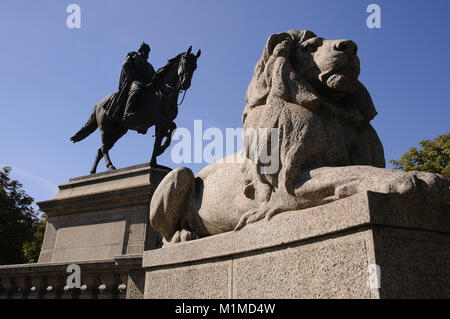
x=88 y=128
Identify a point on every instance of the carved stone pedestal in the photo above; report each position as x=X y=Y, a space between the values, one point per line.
x=369 y=245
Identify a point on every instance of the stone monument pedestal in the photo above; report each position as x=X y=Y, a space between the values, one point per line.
x=100 y=216
x=369 y=245
x=99 y=222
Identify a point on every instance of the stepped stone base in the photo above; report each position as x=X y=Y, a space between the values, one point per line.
x=101 y=216
x=369 y=245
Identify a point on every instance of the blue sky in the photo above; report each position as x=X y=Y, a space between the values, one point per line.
x=52 y=76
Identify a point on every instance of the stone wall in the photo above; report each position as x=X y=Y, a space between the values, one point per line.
x=117 y=278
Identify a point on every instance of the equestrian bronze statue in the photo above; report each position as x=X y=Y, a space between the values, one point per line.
x=145 y=98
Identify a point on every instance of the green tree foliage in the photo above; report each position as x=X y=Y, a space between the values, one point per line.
x=31 y=249
x=21 y=231
x=432 y=156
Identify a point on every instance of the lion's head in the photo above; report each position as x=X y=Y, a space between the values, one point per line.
x=313 y=72
x=333 y=62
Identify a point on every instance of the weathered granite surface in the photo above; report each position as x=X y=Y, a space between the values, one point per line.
x=320 y=252
x=101 y=216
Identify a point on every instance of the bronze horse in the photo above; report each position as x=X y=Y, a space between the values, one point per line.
x=157 y=105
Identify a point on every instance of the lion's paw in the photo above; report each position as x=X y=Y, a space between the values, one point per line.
x=403 y=183
x=265 y=211
x=180 y=236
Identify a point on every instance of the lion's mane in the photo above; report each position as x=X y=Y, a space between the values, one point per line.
x=314 y=131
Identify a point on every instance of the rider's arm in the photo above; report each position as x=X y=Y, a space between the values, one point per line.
x=128 y=66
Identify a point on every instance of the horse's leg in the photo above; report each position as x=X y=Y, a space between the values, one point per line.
x=168 y=136
x=109 y=138
x=97 y=160
x=156 y=146
x=108 y=162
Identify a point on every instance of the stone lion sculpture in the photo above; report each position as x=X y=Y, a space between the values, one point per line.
x=305 y=88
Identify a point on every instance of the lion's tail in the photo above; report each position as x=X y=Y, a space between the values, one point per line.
x=88 y=128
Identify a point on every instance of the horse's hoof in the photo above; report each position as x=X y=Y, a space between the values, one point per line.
x=92 y=172
x=111 y=168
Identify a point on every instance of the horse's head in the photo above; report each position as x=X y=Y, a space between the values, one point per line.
x=186 y=68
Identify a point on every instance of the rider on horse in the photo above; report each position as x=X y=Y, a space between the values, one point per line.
x=136 y=73
x=142 y=94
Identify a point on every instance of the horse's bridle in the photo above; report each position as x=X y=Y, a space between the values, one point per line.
x=174 y=89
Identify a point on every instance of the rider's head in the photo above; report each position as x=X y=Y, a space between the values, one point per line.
x=144 y=49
